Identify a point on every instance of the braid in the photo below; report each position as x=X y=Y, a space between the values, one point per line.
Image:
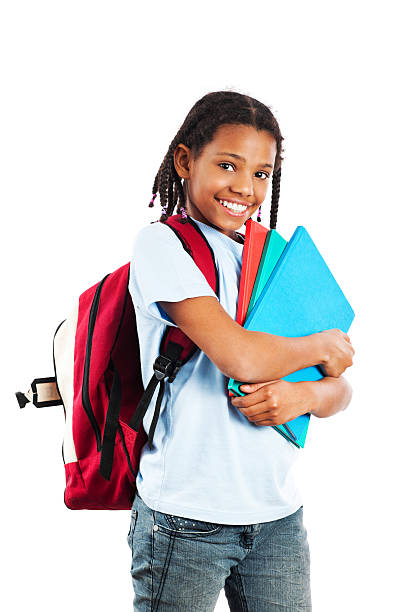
x=275 y=198
x=211 y=111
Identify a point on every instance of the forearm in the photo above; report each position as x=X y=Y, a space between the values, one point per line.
x=268 y=357
x=328 y=396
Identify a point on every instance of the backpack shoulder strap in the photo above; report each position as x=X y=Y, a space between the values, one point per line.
x=197 y=246
x=176 y=348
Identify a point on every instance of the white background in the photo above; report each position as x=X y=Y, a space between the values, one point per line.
x=92 y=95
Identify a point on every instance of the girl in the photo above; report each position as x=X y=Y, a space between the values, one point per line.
x=216 y=504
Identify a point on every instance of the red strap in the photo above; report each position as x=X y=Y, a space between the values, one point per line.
x=197 y=246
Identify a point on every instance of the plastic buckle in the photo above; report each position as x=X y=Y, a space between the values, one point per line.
x=163 y=366
x=176 y=369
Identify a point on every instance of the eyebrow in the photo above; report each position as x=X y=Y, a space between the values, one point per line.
x=242 y=158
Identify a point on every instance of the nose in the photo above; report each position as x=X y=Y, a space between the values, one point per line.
x=243 y=185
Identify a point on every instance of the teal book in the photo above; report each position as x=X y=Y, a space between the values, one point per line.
x=273 y=249
x=301 y=297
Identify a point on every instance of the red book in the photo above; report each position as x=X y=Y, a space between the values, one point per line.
x=255 y=236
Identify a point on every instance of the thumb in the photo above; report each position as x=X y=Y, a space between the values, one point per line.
x=249 y=387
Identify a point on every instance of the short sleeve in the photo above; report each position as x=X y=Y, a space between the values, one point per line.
x=161 y=270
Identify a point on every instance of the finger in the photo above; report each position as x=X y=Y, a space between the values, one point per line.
x=262 y=418
x=256 y=410
x=245 y=401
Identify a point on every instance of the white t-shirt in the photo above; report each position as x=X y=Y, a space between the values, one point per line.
x=208 y=461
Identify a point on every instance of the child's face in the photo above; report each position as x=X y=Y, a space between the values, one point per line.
x=215 y=176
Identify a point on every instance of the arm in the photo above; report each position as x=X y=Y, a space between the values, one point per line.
x=329 y=395
x=237 y=352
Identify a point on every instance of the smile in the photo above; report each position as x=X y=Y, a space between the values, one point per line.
x=236 y=210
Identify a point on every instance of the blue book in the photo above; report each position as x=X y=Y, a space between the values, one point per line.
x=301 y=297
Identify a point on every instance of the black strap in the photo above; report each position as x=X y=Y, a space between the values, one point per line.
x=166 y=365
x=156 y=415
x=143 y=405
x=111 y=426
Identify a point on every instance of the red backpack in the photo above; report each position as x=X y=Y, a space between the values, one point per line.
x=97 y=379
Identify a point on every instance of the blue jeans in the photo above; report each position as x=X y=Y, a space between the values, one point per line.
x=182 y=564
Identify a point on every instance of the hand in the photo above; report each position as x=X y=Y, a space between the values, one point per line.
x=274 y=402
x=338 y=350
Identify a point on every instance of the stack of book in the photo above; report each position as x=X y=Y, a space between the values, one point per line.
x=287 y=289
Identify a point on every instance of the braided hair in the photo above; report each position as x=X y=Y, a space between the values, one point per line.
x=212 y=110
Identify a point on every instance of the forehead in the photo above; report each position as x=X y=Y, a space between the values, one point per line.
x=243 y=139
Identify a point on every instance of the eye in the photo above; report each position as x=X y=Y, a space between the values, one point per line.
x=259 y=172
x=265 y=173
x=225 y=164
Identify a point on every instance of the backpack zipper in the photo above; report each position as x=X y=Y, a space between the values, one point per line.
x=86 y=400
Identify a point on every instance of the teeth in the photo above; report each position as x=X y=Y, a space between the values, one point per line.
x=236 y=207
